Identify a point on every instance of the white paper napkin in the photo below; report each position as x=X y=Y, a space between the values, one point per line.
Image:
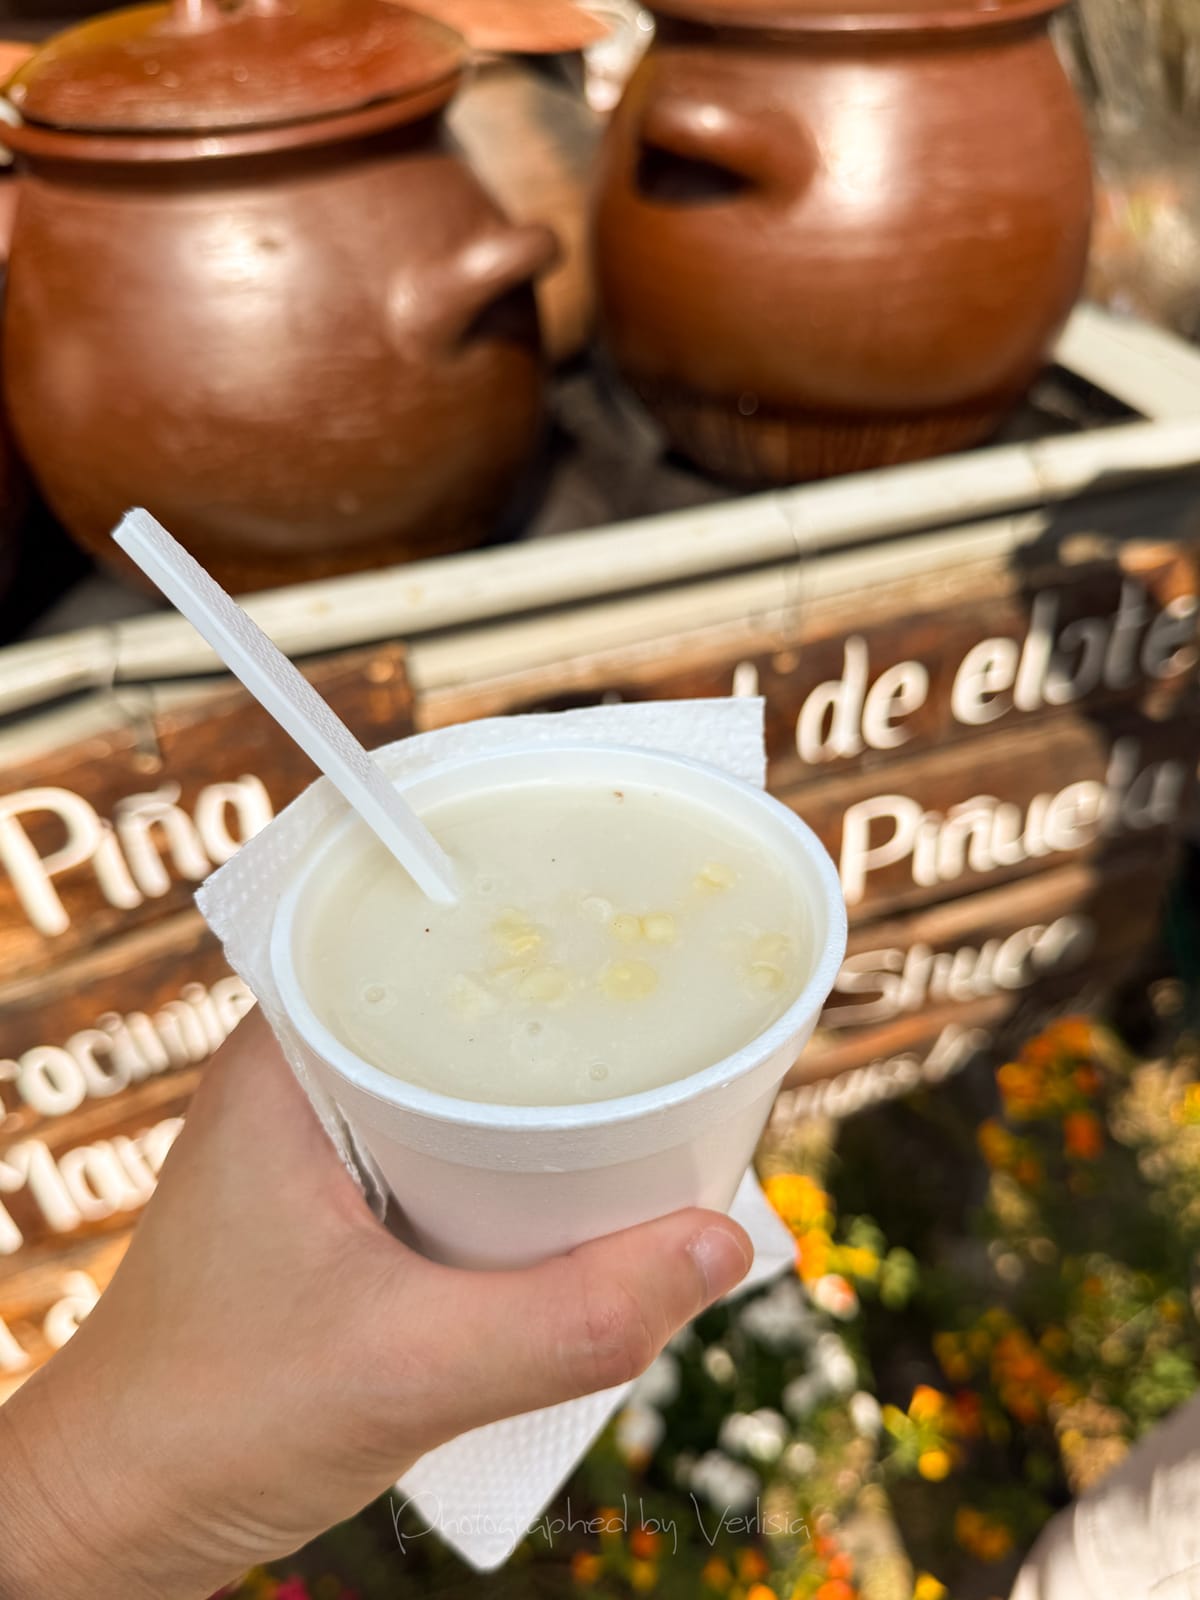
x=482 y=1492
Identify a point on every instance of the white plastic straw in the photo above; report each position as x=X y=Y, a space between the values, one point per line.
x=288 y=697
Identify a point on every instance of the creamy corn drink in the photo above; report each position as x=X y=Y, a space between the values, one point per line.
x=606 y=941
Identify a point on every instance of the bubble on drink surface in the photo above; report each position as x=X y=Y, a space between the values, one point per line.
x=597 y=908
x=378 y=996
x=597 y=1072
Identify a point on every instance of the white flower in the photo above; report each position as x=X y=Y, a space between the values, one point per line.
x=659 y=1384
x=834 y=1364
x=718 y=1363
x=865 y=1414
x=760 y=1434
x=725 y=1484
x=800 y=1458
x=803 y=1395
x=639 y=1432
x=780 y=1319
x=833 y=1294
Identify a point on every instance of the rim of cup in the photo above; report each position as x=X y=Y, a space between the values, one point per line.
x=825 y=903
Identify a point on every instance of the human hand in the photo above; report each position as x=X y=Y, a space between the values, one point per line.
x=268 y=1358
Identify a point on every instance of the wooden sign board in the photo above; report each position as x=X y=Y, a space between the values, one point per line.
x=997 y=756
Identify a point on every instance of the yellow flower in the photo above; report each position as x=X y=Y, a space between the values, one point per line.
x=952 y=1359
x=586 y=1568
x=643 y=1575
x=996 y=1144
x=928 y=1588
x=859 y=1262
x=934 y=1465
x=801 y=1203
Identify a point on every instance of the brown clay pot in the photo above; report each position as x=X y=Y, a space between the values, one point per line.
x=832 y=236
x=254 y=288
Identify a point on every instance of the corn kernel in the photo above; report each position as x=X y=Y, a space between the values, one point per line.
x=715 y=875
x=659 y=927
x=543 y=983
x=628 y=980
x=469 y=998
x=773 y=947
x=626 y=928
x=765 y=976
x=515 y=934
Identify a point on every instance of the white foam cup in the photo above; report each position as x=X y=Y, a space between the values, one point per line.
x=485 y=1185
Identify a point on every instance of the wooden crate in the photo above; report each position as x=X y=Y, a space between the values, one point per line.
x=980 y=680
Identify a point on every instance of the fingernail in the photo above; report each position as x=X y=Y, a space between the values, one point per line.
x=722 y=1258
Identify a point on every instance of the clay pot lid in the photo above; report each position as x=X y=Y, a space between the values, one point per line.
x=199 y=66
x=854 y=16
x=528 y=27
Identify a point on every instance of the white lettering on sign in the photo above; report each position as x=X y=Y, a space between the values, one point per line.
x=97 y=1062
x=12 y=1358
x=985 y=834
x=132 y=856
x=908 y=980
x=79 y=1293
x=1051 y=666
x=64 y=1316
x=87 y=1184
x=886 y=1078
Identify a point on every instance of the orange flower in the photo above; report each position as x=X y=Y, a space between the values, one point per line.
x=1073 y=1036
x=1022 y=1088
x=996 y=1144
x=934 y=1465
x=841 y=1566
x=716 y=1574
x=835 y=1589
x=1083 y=1137
x=609 y=1520
x=927 y=1404
x=644 y=1543
x=751 y=1565
x=812 y=1254
x=1087 y=1080
x=1028 y=1172
x=586 y=1568
x=759 y=1591
x=966 y=1412
x=982 y=1536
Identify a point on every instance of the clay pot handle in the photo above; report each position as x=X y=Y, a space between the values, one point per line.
x=485 y=271
x=756 y=149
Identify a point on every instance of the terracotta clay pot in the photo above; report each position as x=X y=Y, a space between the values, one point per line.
x=255 y=289
x=831 y=237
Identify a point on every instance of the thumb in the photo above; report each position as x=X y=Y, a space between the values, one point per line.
x=510 y=1342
